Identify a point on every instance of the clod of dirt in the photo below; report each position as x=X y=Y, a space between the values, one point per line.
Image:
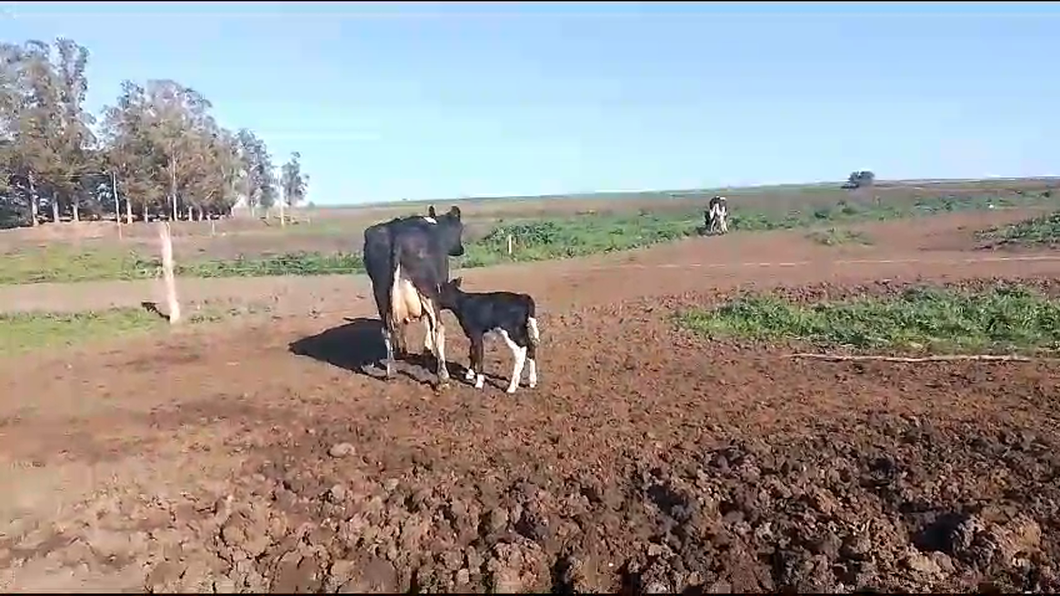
x=341 y=450
x=517 y=567
x=923 y=565
x=337 y=493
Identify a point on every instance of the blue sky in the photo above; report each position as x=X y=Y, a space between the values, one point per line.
x=435 y=100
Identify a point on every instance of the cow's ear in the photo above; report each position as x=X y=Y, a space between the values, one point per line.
x=454 y=211
x=430 y=211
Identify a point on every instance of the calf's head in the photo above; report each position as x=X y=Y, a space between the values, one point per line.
x=450 y=230
x=449 y=293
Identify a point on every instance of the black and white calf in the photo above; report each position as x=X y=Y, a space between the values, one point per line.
x=510 y=315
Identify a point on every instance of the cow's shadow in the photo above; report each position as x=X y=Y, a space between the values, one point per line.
x=358 y=346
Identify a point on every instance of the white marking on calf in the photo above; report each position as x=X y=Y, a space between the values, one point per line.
x=430 y=219
x=535 y=335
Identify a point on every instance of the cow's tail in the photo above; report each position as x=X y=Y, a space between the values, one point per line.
x=395 y=271
x=531 y=325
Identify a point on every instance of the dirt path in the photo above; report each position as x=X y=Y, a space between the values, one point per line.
x=206 y=460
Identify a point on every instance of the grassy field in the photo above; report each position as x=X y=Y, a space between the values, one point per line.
x=542 y=230
x=1037 y=231
x=27 y=332
x=1005 y=319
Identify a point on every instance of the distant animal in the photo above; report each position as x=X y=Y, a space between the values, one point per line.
x=717 y=215
x=509 y=315
x=407 y=260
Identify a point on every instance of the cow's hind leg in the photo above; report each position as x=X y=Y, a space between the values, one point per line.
x=382 y=302
x=388 y=362
x=397 y=336
x=437 y=330
x=428 y=340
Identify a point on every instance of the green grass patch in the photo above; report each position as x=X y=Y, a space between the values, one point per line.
x=297 y=263
x=836 y=237
x=540 y=240
x=535 y=240
x=64 y=263
x=29 y=331
x=61 y=264
x=25 y=332
x=1035 y=231
x=1007 y=318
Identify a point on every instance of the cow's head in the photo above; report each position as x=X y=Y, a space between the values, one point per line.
x=450 y=230
x=449 y=293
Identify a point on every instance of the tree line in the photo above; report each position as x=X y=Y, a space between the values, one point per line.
x=155 y=153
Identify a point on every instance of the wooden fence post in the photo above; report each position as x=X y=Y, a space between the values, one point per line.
x=168 y=278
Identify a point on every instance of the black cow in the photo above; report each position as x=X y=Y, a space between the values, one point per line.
x=511 y=316
x=407 y=260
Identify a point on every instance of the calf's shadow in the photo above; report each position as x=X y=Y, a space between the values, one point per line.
x=357 y=346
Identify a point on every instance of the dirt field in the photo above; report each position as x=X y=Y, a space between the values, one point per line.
x=265 y=455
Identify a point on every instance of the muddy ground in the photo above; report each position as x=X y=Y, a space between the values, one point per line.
x=265 y=454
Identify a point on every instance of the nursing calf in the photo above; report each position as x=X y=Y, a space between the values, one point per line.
x=511 y=316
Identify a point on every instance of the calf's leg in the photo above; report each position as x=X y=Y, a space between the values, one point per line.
x=469 y=376
x=477 y=360
x=519 y=353
x=531 y=361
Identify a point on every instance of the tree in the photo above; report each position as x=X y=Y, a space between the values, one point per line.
x=35 y=125
x=159 y=150
x=294 y=183
x=259 y=181
x=78 y=161
x=860 y=179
